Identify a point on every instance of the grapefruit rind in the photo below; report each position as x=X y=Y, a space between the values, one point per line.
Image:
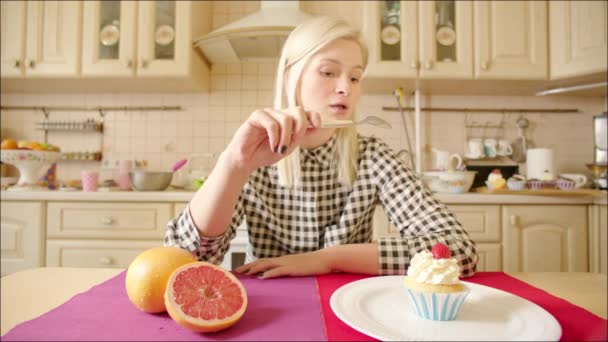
x=196 y=324
x=147 y=275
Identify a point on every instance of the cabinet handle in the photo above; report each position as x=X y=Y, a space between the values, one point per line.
x=17 y=63
x=428 y=64
x=128 y=63
x=32 y=64
x=484 y=65
x=143 y=63
x=107 y=221
x=514 y=219
x=415 y=65
x=105 y=260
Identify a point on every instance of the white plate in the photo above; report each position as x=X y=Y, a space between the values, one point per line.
x=109 y=35
x=164 y=35
x=379 y=307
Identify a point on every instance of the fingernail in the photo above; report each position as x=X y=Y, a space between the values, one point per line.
x=261 y=276
x=283 y=149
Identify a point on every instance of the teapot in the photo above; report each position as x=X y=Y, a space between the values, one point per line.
x=444 y=161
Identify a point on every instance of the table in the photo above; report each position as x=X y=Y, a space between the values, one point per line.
x=27 y=294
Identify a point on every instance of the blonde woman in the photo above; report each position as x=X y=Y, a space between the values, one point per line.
x=307 y=194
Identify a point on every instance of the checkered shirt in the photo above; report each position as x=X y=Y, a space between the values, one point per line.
x=323 y=213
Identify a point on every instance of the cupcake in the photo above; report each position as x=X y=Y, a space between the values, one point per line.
x=496 y=181
x=433 y=284
x=516 y=183
x=566 y=184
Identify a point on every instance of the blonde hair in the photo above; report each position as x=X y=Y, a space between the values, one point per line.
x=303 y=42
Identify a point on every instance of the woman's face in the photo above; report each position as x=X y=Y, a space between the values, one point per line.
x=330 y=83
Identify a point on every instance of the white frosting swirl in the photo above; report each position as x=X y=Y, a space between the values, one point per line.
x=424 y=269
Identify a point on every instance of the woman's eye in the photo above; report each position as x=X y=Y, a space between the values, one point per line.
x=354 y=79
x=327 y=73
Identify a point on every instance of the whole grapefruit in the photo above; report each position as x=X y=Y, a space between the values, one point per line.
x=147 y=275
x=204 y=297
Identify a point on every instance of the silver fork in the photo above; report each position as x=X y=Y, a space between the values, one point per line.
x=368 y=120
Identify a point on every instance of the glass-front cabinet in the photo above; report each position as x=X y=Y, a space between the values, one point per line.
x=429 y=39
x=391 y=34
x=446 y=39
x=143 y=38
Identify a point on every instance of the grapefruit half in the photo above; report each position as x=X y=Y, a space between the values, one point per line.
x=147 y=275
x=204 y=297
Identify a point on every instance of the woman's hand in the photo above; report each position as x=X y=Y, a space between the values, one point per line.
x=268 y=135
x=294 y=265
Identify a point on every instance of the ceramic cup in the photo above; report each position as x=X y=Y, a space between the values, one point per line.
x=577 y=178
x=476 y=148
x=504 y=148
x=490 y=147
x=90 y=180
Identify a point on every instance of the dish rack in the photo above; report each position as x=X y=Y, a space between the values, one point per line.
x=87 y=125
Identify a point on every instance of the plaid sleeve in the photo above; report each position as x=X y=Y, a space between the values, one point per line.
x=421 y=220
x=182 y=232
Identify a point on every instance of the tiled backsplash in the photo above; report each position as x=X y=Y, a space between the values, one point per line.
x=208 y=121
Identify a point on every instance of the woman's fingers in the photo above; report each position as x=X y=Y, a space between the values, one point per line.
x=272 y=127
x=287 y=125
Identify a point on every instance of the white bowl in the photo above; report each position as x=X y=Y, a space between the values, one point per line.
x=32 y=165
x=449 y=181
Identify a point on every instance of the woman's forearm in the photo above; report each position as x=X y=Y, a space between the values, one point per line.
x=212 y=205
x=352 y=258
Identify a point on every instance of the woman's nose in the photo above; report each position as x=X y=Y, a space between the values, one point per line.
x=343 y=87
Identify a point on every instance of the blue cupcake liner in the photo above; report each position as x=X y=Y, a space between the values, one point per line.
x=437 y=306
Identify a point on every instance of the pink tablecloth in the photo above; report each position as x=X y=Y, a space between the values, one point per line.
x=577 y=323
x=281 y=309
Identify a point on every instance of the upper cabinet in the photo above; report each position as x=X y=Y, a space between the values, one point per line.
x=457 y=39
x=143 y=38
x=40 y=38
x=146 y=45
x=510 y=39
x=578 y=38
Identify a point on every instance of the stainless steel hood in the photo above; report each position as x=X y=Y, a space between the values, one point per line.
x=259 y=36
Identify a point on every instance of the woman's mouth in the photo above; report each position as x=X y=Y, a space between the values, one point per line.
x=340 y=109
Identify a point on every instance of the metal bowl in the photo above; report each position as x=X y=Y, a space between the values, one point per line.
x=150 y=180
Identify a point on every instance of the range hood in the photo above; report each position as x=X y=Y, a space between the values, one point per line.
x=257 y=37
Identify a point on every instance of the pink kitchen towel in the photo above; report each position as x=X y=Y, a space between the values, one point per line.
x=577 y=323
x=278 y=309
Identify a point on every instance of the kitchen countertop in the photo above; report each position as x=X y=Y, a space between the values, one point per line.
x=185 y=196
x=29 y=293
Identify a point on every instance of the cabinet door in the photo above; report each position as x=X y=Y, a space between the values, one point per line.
x=510 y=39
x=164 y=39
x=489 y=257
x=109 y=38
x=53 y=38
x=12 y=42
x=578 y=37
x=446 y=39
x=598 y=239
x=539 y=238
x=22 y=228
x=390 y=29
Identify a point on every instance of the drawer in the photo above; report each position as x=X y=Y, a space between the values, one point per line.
x=95 y=253
x=108 y=220
x=482 y=222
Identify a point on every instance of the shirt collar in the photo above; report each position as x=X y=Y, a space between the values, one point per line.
x=321 y=154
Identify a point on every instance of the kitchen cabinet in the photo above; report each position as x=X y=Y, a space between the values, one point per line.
x=510 y=40
x=432 y=39
x=87 y=234
x=598 y=238
x=482 y=222
x=578 y=38
x=235 y=256
x=143 y=38
x=40 y=38
x=544 y=238
x=23 y=235
x=457 y=39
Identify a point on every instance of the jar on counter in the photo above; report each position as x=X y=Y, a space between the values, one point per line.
x=124 y=167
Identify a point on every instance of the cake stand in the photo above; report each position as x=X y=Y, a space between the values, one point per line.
x=32 y=165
